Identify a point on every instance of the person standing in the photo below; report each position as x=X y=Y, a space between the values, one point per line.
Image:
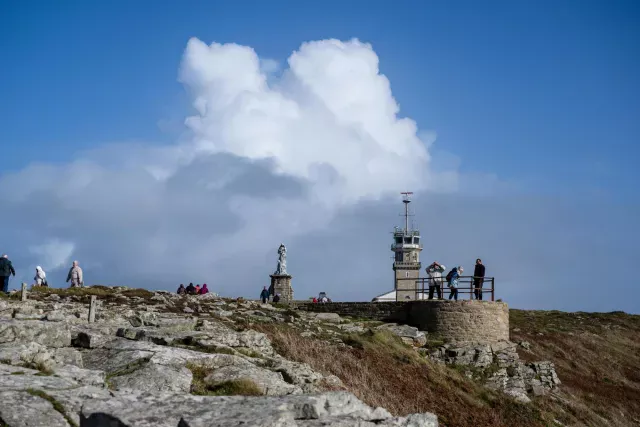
x=452 y=278
x=264 y=295
x=478 y=279
x=435 y=271
x=40 y=277
x=75 y=276
x=6 y=270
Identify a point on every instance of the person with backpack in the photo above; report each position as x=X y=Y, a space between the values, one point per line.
x=452 y=281
x=478 y=279
x=435 y=271
x=40 y=277
x=6 y=270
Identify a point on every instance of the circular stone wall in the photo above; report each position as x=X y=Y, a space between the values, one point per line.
x=461 y=321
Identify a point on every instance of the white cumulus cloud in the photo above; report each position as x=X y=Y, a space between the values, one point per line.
x=268 y=155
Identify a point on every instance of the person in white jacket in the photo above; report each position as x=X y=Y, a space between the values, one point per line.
x=435 y=271
x=41 y=277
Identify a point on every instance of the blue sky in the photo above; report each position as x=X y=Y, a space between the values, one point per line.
x=544 y=96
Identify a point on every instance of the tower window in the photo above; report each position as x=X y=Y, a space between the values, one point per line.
x=416 y=240
x=398 y=256
x=407 y=240
x=398 y=240
x=406 y=274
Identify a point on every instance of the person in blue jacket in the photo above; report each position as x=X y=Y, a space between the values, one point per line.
x=264 y=295
x=452 y=280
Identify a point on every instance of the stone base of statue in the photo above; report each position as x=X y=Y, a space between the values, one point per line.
x=281 y=284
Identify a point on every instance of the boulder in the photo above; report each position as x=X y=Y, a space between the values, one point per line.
x=413 y=335
x=329 y=317
x=49 y=334
x=152 y=377
x=22 y=409
x=270 y=383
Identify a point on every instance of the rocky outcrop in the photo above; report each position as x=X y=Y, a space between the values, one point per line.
x=499 y=367
x=141 y=361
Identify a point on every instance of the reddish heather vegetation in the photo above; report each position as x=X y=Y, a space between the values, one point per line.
x=596 y=355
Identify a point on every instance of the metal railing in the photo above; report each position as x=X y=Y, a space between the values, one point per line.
x=466 y=285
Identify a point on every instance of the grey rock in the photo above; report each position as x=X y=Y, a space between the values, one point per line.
x=73 y=399
x=80 y=375
x=66 y=356
x=21 y=409
x=153 y=377
x=50 y=334
x=166 y=410
x=113 y=361
x=413 y=335
x=22 y=382
x=525 y=344
x=329 y=317
x=21 y=353
x=55 y=316
x=270 y=383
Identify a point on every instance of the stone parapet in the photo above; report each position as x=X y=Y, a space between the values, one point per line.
x=452 y=321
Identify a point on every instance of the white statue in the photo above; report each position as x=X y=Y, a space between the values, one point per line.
x=282 y=260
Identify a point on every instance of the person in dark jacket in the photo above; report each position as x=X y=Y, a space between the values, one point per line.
x=264 y=295
x=181 y=290
x=276 y=298
x=6 y=270
x=191 y=290
x=478 y=279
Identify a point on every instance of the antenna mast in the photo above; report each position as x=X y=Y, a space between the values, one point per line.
x=406 y=200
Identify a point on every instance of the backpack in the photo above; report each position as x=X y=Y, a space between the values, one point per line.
x=450 y=275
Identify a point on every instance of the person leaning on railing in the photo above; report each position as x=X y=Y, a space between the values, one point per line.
x=435 y=271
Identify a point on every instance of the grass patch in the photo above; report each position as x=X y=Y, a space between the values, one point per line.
x=213 y=349
x=241 y=387
x=249 y=353
x=142 y=293
x=67 y=292
x=56 y=405
x=17 y=373
x=44 y=370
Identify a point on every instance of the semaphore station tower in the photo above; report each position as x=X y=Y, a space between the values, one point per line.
x=406 y=247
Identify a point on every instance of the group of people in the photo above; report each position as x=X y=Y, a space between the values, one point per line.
x=265 y=294
x=193 y=290
x=435 y=270
x=74 y=276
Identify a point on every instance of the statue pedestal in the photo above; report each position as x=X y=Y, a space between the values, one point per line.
x=281 y=284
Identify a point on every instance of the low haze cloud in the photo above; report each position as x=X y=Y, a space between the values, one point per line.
x=312 y=155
